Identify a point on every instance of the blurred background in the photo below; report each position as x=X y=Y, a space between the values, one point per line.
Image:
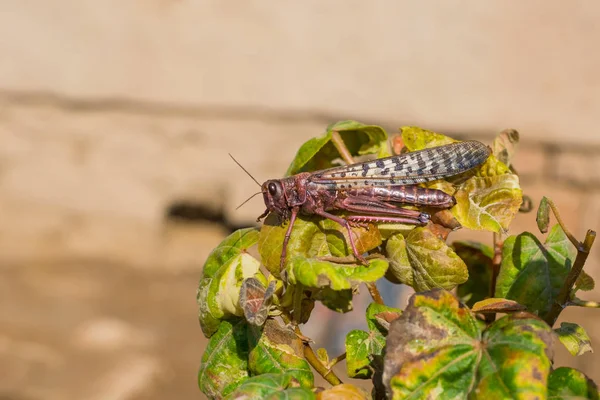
x=116 y=118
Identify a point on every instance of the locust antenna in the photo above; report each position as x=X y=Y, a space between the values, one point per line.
x=249 y=174
x=248 y=199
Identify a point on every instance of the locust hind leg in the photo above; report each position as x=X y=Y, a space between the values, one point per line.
x=380 y=211
x=346 y=224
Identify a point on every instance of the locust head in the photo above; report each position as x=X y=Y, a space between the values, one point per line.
x=275 y=200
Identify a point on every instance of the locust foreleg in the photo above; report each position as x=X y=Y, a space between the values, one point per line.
x=286 y=239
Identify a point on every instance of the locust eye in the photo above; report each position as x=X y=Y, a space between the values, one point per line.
x=272 y=189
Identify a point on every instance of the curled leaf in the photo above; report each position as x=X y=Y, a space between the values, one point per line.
x=543 y=215
x=218 y=296
x=423 y=261
x=488 y=203
x=533 y=273
x=437 y=348
x=505 y=145
x=256 y=299
x=495 y=305
x=584 y=282
x=574 y=338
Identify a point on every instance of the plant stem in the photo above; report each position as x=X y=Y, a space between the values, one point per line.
x=326 y=372
x=583 y=250
x=496 y=261
x=563 y=225
x=374 y=292
x=297 y=304
x=583 y=303
x=341 y=147
x=338 y=359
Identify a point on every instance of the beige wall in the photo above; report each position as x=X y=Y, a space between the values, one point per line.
x=112 y=110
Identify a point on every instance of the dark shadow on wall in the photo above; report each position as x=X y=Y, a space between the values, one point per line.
x=190 y=212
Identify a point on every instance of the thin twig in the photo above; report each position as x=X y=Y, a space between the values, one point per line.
x=583 y=250
x=583 y=303
x=325 y=371
x=338 y=359
x=374 y=292
x=341 y=147
x=562 y=224
x=496 y=261
x=297 y=304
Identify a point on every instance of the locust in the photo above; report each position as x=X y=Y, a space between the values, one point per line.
x=372 y=191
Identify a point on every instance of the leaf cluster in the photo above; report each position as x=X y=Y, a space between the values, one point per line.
x=442 y=345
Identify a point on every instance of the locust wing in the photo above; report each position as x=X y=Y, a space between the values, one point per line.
x=409 y=168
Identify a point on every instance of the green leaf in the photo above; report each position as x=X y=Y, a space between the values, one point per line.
x=424 y=261
x=271 y=386
x=276 y=350
x=437 y=349
x=478 y=258
x=533 y=273
x=238 y=242
x=543 y=215
x=505 y=145
x=584 y=282
x=488 y=203
x=375 y=312
x=336 y=300
x=416 y=138
x=312 y=237
x=574 y=338
x=318 y=153
x=224 y=363
x=492 y=167
x=360 y=347
x=218 y=296
x=314 y=273
x=337 y=242
x=272 y=233
x=567 y=383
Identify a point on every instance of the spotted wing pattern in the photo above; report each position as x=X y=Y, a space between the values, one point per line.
x=409 y=168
